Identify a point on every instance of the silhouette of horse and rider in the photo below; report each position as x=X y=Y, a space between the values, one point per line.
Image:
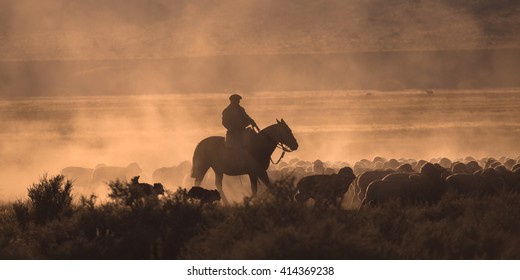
x=243 y=150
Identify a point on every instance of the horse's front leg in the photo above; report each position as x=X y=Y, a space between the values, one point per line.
x=265 y=179
x=254 y=184
x=218 y=183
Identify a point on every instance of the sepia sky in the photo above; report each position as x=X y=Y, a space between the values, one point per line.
x=119 y=29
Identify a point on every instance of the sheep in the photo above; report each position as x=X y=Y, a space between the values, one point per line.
x=329 y=171
x=491 y=162
x=205 y=196
x=425 y=186
x=135 y=193
x=459 y=167
x=463 y=183
x=509 y=163
x=405 y=168
x=359 y=168
x=516 y=179
x=318 y=167
x=378 y=159
x=103 y=174
x=469 y=158
x=481 y=183
x=445 y=162
x=473 y=166
x=367 y=177
x=173 y=176
x=381 y=190
x=80 y=176
x=145 y=189
x=397 y=176
x=325 y=189
x=431 y=180
x=418 y=165
x=391 y=164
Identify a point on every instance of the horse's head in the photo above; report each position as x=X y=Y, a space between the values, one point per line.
x=286 y=136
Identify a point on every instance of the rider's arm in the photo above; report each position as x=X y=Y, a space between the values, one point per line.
x=249 y=120
x=252 y=122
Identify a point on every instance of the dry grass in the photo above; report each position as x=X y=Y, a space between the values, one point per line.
x=271 y=227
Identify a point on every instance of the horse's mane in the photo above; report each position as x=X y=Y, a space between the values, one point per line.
x=268 y=128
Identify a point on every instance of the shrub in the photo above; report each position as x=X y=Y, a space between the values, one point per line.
x=21 y=211
x=88 y=202
x=119 y=192
x=127 y=194
x=50 y=198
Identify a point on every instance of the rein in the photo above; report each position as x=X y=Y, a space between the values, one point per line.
x=279 y=146
x=284 y=149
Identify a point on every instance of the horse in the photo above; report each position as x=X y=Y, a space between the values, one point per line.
x=212 y=152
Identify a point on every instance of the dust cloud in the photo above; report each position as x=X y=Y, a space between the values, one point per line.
x=114 y=82
x=47 y=134
x=117 y=47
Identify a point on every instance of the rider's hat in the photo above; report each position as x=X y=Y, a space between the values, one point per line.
x=235 y=97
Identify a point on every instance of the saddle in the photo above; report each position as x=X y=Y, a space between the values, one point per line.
x=238 y=143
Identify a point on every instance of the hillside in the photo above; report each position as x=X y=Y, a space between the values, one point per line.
x=396 y=70
x=73 y=47
x=116 y=29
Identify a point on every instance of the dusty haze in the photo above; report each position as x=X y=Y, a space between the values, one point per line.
x=116 y=47
x=47 y=134
x=114 y=82
x=73 y=29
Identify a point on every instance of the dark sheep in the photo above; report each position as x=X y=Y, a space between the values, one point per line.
x=325 y=189
x=397 y=176
x=145 y=189
x=484 y=182
x=423 y=187
x=405 y=168
x=509 y=163
x=490 y=162
x=205 y=196
x=516 y=180
x=419 y=165
x=473 y=166
x=459 y=167
x=135 y=193
x=381 y=191
x=367 y=177
x=463 y=183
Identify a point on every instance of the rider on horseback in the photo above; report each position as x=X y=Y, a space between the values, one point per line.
x=236 y=120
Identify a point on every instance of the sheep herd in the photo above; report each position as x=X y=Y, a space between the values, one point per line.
x=428 y=181
x=360 y=185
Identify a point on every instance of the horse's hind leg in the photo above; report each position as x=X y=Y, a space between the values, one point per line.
x=199 y=175
x=218 y=183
